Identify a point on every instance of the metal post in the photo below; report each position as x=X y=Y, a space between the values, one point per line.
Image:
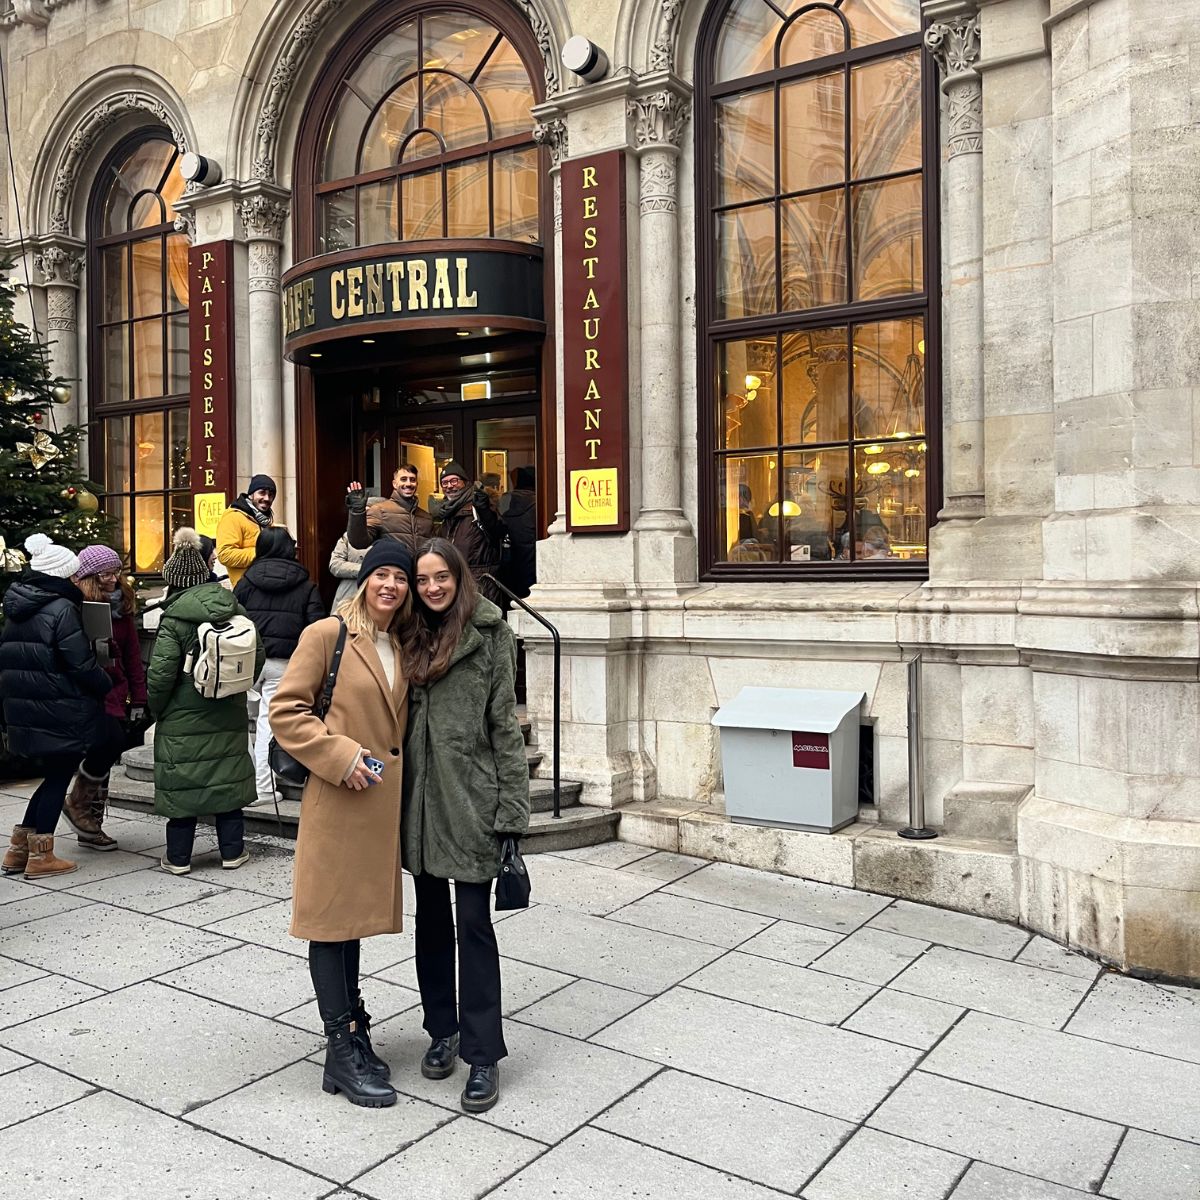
x=916 y=830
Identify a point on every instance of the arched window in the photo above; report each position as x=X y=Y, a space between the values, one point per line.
x=138 y=323
x=430 y=135
x=817 y=288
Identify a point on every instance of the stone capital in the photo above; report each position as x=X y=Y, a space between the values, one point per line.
x=553 y=134
x=659 y=120
x=262 y=217
x=59 y=262
x=954 y=43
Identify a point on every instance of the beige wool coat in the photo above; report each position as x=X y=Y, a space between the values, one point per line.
x=346 y=879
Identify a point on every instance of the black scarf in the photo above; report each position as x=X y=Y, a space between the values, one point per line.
x=451 y=508
x=243 y=505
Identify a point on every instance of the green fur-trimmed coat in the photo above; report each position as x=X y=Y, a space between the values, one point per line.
x=465 y=774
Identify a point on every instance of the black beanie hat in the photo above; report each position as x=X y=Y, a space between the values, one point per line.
x=262 y=481
x=387 y=552
x=453 y=467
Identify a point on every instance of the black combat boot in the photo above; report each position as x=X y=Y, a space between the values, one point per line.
x=483 y=1088
x=347 y=1070
x=362 y=1035
x=440 y=1058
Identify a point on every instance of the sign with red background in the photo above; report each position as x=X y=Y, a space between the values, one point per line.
x=810 y=750
x=595 y=334
x=210 y=360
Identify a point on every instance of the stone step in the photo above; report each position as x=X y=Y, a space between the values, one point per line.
x=984 y=811
x=533 y=758
x=541 y=794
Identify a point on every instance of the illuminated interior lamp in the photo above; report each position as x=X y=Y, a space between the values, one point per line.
x=882 y=467
x=900 y=433
x=921 y=446
x=911 y=473
x=464 y=333
x=921 y=346
x=753 y=383
x=790 y=509
x=872 y=449
x=315 y=354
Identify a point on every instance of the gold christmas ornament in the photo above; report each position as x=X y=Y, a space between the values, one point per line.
x=86 y=501
x=41 y=450
x=61 y=393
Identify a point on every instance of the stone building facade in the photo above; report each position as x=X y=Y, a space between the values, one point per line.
x=1031 y=237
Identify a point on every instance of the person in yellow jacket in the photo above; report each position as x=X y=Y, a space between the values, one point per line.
x=241 y=523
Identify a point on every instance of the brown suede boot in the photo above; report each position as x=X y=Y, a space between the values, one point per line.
x=80 y=805
x=42 y=859
x=99 y=840
x=18 y=851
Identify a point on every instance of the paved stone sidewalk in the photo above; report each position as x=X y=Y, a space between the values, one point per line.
x=676 y=1029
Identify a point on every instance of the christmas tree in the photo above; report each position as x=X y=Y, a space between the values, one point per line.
x=42 y=487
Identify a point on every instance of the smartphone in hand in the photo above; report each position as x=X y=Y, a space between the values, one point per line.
x=374 y=766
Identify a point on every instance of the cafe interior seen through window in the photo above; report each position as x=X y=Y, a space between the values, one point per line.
x=138 y=300
x=816 y=288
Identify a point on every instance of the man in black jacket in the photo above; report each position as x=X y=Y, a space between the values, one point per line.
x=466 y=518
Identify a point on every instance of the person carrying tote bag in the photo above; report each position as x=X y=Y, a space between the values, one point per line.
x=466 y=793
x=346 y=883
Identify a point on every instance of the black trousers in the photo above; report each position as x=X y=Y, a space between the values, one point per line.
x=181 y=836
x=46 y=804
x=334 y=970
x=113 y=742
x=473 y=1011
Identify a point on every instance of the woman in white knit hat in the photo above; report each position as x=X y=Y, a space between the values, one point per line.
x=53 y=691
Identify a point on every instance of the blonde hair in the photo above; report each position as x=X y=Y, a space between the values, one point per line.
x=359 y=620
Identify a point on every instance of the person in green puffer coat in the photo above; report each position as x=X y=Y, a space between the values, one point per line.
x=202 y=762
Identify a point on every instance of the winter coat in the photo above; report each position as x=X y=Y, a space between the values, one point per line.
x=477 y=535
x=344 y=562
x=281 y=600
x=390 y=518
x=465 y=774
x=520 y=520
x=202 y=760
x=53 y=688
x=237 y=538
x=346 y=880
x=126 y=672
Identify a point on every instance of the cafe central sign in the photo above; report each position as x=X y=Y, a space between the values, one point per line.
x=595 y=338
x=420 y=285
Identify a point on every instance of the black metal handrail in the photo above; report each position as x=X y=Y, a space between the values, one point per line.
x=537 y=616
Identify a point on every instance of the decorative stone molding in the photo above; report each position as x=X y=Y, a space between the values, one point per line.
x=955 y=45
x=262 y=217
x=61 y=309
x=553 y=135
x=185 y=222
x=659 y=120
x=545 y=41
x=658 y=183
x=59 y=265
x=263 y=272
x=662 y=53
x=107 y=113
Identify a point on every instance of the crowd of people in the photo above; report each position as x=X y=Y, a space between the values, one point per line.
x=398 y=706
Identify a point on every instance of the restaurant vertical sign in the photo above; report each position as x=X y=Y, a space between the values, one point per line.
x=595 y=338
x=210 y=359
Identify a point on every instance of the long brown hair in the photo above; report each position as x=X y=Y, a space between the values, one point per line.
x=431 y=638
x=89 y=585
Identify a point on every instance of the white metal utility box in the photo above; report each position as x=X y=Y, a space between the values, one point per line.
x=790 y=757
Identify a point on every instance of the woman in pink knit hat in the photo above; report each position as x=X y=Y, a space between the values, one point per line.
x=101 y=579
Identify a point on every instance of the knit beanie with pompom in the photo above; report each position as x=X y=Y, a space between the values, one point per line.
x=50 y=559
x=186 y=567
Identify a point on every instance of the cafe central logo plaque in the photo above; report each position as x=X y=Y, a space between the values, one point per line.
x=595 y=338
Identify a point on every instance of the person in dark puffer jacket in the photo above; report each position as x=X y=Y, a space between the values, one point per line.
x=282 y=601
x=53 y=692
x=202 y=762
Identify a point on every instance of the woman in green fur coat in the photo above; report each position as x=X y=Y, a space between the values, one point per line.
x=466 y=788
x=202 y=763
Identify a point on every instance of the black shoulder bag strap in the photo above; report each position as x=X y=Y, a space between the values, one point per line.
x=334 y=665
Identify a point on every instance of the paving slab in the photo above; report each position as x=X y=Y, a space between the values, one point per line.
x=640 y=960
x=37 y=1089
x=32 y=904
x=983 y=1182
x=263 y=926
x=565 y=883
x=14 y=973
x=383 y=1000
x=711 y=923
x=614 y=855
x=112 y=947
x=665 y=865
x=960 y=930
x=1050 y=956
x=137 y=837
x=594 y=1165
x=92 y=866
x=909 y=1020
x=1148 y=1167
x=227 y=903
x=269 y=872
x=799 y=900
x=11 y=1062
x=166 y=1048
x=877 y=1166
x=288 y=1116
x=1112 y=1083
x=520 y=983
x=252 y=978
x=581 y=1009
x=783 y=988
x=69 y=1151
x=1129 y=1012
x=147 y=891
x=831 y=1071
x=785 y=941
x=993 y=985
x=45 y=995
x=870 y=955
x=708 y=1122
x=1007 y=1132
x=458 y=1161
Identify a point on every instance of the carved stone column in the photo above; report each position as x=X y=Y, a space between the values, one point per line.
x=659 y=120
x=954 y=42
x=263 y=214
x=59 y=263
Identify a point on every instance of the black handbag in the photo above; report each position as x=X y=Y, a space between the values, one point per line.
x=512 y=884
x=290 y=769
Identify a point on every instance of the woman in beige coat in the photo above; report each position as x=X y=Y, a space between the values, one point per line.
x=346 y=884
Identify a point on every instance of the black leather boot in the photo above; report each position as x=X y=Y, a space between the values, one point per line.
x=362 y=1035
x=347 y=1070
x=440 y=1058
x=483 y=1088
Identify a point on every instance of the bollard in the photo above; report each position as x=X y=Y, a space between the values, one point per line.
x=916 y=830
